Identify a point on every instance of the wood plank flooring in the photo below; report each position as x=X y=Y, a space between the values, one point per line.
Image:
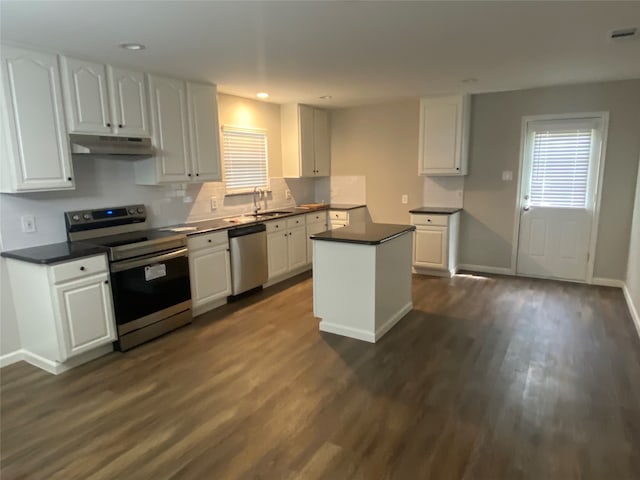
x=487 y=378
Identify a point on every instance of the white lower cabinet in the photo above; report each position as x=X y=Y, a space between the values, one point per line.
x=435 y=243
x=72 y=321
x=343 y=218
x=286 y=247
x=316 y=223
x=209 y=270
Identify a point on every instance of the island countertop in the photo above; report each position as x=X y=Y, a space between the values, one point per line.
x=364 y=233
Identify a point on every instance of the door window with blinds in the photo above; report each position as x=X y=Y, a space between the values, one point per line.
x=558 y=165
x=245 y=159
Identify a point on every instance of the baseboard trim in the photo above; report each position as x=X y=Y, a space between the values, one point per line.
x=633 y=309
x=287 y=276
x=485 y=269
x=432 y=271
x=608 y=282
x=347 y=331
x=388 y=325
x=11 y=358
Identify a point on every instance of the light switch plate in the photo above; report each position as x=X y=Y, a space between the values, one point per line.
x=214 y=203
x=28 y=223
x=507 y=175
x=405 y=199
x=287 y=194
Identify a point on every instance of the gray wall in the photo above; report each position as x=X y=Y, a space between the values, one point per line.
x=487 y=222
x=633 y=266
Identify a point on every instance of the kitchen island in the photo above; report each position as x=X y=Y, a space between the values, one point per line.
x=362 y=279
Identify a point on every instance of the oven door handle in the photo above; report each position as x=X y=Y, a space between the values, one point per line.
x=148 y=260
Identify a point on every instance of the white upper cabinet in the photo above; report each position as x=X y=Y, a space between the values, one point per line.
x=128 y=93
x=306 y=142
x=185 y=133
x=35 y=149
x=444 y=135
x=104 y=100
x=204 y=132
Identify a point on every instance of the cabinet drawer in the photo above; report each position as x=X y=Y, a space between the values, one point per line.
x=439 y=220
x=79 y=268
x=297 y=221
x=206 y=240
x=341 y=216
x=277 y=226
x=319 y=217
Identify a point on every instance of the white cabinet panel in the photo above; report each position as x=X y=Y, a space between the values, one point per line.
x=306 y=146
x=204 y=131
x=35 y=152
x=307 y=160
x=210 y=272
x=86 y=96
x=435 y=246
x=170 y=128
x=430 y=248
x=86 y=314
x=297 y=246
x=278 y=254
x=444 y=135
x=312 y=229
x=321 y=142
x=129 y=99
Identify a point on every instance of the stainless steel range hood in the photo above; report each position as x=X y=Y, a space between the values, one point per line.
x=119 y=147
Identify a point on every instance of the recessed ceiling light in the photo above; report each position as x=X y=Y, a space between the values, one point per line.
x=325 y=97
x=470 y=80
x=133 y=47
x=262 y=95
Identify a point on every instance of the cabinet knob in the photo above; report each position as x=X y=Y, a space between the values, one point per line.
x=120 y=125
x=428 y=220
x=109 y=125
x=277 y=226
x=209 y=240
x=188 y=174
x=457 y=168
x=106 y=282
x=69 y=179
x=82 y=269
x=197 y=174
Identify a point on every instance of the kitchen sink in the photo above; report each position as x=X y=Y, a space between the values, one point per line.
x=250 y=217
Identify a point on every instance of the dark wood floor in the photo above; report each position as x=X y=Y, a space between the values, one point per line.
x=488 y=378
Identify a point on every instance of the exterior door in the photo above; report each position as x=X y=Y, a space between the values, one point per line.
x=559 y=176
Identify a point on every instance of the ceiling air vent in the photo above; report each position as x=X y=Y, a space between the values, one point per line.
x=622 y=33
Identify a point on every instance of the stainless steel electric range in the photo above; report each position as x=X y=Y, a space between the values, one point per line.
x=149 y=270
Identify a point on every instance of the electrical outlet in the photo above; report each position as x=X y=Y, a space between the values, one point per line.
x=507 y=175
x=405 y=199
x=28 y=223
x=287 y=194
x=187 y=199
x=214 y=203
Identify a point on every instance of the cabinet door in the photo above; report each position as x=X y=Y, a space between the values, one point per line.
x=86 y=96
x=297 y=248
x=36 y=148
x=321 y=142
x=129 y=102
x=210 y=272
x=307 y=153
x=430 y=248
x=205 y=132
x=312 y=229
x=86 y=314
x=278 y=254
x=441 y=135
x=170 y=128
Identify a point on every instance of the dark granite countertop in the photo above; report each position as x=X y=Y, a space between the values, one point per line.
x=345 y=206
x=436 y=210
x=364 y=233
x=53 y=253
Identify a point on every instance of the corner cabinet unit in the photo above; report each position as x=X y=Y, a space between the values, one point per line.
x=444 y=135
x=435 y=246
x=72 y=321
x=104 y=100
x=210 y=270
x=286 y=248
x=306 y=144
x=184 y=122
x=34 y=145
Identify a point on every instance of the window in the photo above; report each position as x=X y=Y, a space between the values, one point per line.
x=245 y=159
x=560 y=156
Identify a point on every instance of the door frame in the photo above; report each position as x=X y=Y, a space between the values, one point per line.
x=603 y=116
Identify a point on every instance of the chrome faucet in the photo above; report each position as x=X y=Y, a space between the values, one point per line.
x=257 y=193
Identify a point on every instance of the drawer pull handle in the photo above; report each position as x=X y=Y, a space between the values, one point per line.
x=82 y=269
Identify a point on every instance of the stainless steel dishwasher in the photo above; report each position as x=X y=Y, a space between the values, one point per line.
x=249 y=267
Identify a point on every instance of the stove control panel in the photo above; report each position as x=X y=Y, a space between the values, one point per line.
x=106 y=216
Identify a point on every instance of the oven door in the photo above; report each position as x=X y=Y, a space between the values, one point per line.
x=150 y=288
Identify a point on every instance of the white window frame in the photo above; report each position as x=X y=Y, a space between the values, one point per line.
x=603 y=119
x=248 y=130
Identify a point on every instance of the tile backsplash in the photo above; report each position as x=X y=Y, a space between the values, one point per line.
x=110 y=182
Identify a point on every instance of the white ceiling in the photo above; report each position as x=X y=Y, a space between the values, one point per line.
x=358 y=52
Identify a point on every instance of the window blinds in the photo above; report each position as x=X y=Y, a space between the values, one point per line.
x=560 y=167
x=245 y=158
